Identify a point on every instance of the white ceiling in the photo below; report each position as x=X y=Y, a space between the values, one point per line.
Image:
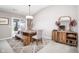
x=22 y=9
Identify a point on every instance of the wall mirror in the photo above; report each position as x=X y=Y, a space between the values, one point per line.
x=64 y=23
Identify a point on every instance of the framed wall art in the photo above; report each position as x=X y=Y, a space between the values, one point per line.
x=4 y=21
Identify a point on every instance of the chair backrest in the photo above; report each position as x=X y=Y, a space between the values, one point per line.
x=39 y=34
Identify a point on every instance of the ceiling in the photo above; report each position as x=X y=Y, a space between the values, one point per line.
x=22 y=9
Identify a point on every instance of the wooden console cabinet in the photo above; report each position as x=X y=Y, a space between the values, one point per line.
x=69 y=38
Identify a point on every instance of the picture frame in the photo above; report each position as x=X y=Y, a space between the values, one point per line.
x=4 y=21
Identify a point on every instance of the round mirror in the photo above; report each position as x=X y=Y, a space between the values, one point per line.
x=64 y=23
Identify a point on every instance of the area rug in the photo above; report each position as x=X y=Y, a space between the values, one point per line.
x=18 y=46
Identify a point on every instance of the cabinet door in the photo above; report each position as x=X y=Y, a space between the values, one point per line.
x=62 y=37
x=54 y=36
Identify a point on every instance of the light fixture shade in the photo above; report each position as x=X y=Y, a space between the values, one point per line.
x=29 y=17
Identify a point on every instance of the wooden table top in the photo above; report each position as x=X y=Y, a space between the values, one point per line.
x=29 y=32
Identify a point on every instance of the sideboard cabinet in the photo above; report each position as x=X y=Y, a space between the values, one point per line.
x=70 y=38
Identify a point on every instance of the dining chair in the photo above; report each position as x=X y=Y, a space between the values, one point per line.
x=38 y=36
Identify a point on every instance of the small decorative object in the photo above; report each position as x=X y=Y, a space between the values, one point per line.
x=73 y=23
x=4 y=21
x=62 y=27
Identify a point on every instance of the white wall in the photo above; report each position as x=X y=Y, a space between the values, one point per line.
x=5 y=30
x=78 y=26
x=46 y=18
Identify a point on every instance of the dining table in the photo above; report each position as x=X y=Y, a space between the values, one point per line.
x=27 y=35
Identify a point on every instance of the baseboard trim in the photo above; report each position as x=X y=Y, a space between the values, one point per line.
x=6 y=38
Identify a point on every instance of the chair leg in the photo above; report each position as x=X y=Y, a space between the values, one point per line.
x=41 y=41
x=37 y=42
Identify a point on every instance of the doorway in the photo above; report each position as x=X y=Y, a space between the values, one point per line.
x=18 y=24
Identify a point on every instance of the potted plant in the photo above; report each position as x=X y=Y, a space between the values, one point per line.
x=72 y=24
x=58 y=24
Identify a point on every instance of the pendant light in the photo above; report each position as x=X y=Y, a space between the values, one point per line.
x=29 y=16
